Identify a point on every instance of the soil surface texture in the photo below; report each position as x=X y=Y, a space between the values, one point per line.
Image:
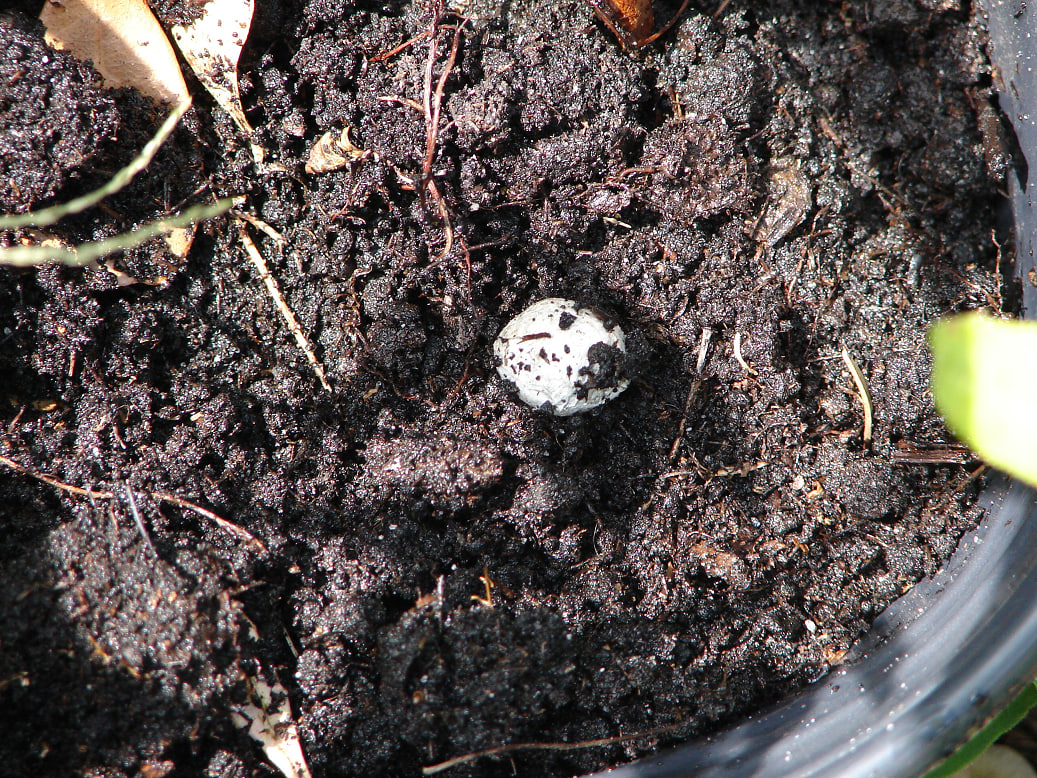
x=426 y=565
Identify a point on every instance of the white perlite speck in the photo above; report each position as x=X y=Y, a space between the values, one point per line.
x=562 y=357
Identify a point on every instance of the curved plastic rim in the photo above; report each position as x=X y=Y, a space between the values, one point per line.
x=950 y=654
x=943 y=659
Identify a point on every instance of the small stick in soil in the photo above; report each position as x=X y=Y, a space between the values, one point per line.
x=432 y=107
x=994 y=303
x=736 y=347
x=93 y=494
x=227 y=526
x=397 y=49
x=909 y=453
x=260 y=225
x=863 y=394
x=693 y=390
x=402 y=101
x=488 y=584
x=946 y=497
x=138 y=520
x=512 y=747
x=52 y=481
x=286 y=313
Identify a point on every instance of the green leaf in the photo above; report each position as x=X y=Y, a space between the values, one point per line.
x=983 y=739
x=985 y=385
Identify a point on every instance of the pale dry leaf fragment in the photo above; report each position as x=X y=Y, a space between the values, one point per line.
x=333 y=151
x=212 y=44
x=179 y=241
x=270 y=723
x=790 y=195
x=129 y=48
x=122 y=278
x=124 y=41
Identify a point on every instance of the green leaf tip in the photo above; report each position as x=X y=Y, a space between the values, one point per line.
x=982 y=740
x=984 y=382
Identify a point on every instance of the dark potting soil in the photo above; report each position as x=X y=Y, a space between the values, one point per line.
x=445 y=569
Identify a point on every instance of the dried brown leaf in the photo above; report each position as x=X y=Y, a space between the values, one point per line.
x=212 y=44
x=333 y=151
x=124 y=41
x=267 y=716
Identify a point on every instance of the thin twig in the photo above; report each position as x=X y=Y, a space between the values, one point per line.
x=286 y=313
x=52 y=481
x=93 y=494
x=260 y=225
x=593 y=743
x=226 y=526
x=945 y=499
x=693 y=390
x=402 y=101
x=444 y=214
x=689 y=400
x=397 y=49
x=431 y=128
x=432 y=108
x=433 y=105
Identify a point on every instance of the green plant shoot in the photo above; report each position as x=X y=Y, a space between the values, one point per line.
x=984 y=382
x=87 y=253
x=982 y=740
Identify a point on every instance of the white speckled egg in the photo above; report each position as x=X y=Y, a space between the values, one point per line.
x=562 y=357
